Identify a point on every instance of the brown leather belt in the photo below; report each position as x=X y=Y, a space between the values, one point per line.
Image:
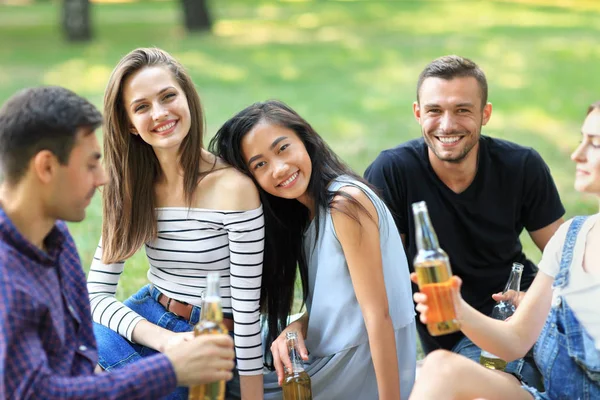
x=184 y=310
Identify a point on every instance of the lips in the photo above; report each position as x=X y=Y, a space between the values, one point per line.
x=449 y=140
x=165 y=128
x=290 y=180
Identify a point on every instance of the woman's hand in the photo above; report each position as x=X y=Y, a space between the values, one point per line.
x=421 y=298
x=175 y=339
x=281 y=356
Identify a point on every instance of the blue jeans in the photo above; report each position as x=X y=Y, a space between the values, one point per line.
x=565 y=352
x=523 y=368
x=115 y=351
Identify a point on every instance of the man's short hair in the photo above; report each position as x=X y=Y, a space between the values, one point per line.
x=42 y=118
x=450 y=67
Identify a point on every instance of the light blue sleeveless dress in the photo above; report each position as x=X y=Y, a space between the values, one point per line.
x=340 y=364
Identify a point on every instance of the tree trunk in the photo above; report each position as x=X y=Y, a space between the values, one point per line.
x=76 y=20
x=196 y=15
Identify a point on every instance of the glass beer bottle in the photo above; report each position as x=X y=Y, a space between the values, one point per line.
x=296 y=384
x=434 y=275
x=211 y=322
x=502 y=311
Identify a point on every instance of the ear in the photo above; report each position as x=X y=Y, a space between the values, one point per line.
x=417 y=111
x=45 y=165
x=487 y=113
x=133 y=130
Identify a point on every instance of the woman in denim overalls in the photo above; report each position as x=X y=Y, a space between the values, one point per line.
x=559 y=311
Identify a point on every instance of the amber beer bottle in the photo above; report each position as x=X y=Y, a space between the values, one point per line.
x=296 y=384
x=502 y=311
x=433 y=272
x=211 y=323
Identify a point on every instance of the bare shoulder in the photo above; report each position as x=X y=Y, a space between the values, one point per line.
x=348 y=195
x=236 y=191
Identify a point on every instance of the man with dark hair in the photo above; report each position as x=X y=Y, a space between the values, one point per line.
x=481 y=192
x=50 y=168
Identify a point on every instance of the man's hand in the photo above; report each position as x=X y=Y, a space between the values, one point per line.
x=509 y=295
x=203 y=359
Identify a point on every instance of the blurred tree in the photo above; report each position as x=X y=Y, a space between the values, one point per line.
x=76 y=20
x=196 y=15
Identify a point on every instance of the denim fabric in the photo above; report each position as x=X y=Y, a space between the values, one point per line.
x=523 y=368
x=115 y=351
x=564 y=352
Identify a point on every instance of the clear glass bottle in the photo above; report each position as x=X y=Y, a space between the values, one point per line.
x=296 y=384
x=502 y=311
x=211 y=323
x=434 y=275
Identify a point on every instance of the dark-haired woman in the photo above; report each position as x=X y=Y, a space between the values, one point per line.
x=358 y=334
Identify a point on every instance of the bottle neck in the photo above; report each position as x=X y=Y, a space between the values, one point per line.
x=514 y=280
x=211 y=303
x=295 y=358
x=426 y=237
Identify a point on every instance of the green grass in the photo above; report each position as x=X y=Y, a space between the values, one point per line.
x=349 y=67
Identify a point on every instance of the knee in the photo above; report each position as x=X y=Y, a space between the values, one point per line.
x=441 y=364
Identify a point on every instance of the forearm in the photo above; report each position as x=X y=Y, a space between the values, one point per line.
x=384 y=354
x=150 y=335
x=251 y=387
x=148 y=378
x=498 y=337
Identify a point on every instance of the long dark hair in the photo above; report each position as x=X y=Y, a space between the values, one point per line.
x=285 y=220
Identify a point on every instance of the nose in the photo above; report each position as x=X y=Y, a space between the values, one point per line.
x=102 y=177
x=159 y=112
x=446 y=122
x=579 y=155
x=280 y=169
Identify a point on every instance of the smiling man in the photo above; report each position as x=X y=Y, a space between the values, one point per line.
x=481 y=192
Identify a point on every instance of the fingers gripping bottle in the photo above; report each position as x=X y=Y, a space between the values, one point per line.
x=502 y=311
x=434 y=275
x=211 y=323
x=296 y=384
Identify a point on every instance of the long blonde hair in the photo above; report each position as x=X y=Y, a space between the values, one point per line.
x=128 y=199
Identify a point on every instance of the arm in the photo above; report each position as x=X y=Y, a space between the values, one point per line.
x=361 y=246
x=246 y=233
x=27 y=372
x=507 y=339
x=542 y=236
x=107 y=310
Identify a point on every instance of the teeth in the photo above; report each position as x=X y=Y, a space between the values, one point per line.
x=449 y=139
x=166 y=127
x=289 y=180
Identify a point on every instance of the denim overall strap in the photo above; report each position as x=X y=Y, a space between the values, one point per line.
x=562 y=278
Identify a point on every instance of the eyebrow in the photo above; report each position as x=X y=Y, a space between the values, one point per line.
x=435 y=105
x=271 y=147
x=159 y=93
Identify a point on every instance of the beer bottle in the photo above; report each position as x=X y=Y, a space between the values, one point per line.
x=296 y=384
x=434 y=275
x=502 y=311
x=211 y=322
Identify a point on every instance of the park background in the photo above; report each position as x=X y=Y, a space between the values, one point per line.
x=349 y=67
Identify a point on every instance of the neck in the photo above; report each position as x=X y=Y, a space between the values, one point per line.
x=456 y=175
x=27 y=213
x=309 y=203
x=172 y=174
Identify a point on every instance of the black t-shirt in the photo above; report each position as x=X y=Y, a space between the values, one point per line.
x=478 y=228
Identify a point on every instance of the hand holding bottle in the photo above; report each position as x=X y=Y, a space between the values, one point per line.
x=279 y=349
x=422 y=301
x=510 y=295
